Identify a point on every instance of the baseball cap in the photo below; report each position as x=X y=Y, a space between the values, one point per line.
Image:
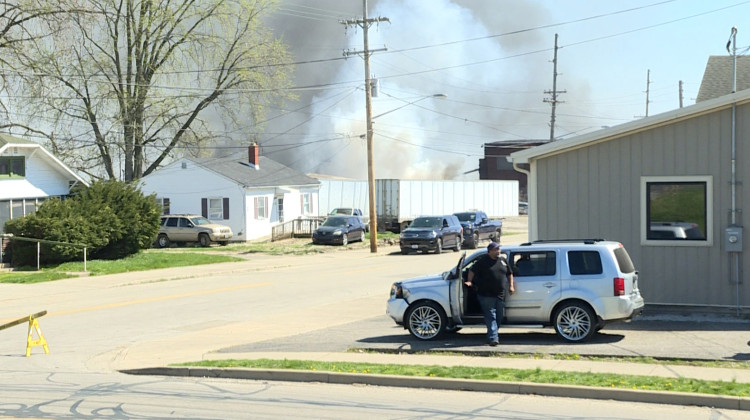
x=492 y=246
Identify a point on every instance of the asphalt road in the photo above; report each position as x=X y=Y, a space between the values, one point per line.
x=96 y=326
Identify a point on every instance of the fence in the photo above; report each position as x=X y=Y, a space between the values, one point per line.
x=4 y=237
x=297 y=228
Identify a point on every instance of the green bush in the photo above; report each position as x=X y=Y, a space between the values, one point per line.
x=112 y=218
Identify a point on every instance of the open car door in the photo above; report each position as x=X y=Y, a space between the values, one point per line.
x=456 y=290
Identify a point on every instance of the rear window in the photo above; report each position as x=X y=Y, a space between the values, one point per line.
x=623 y=260
x=585 y=262
x=172 y=222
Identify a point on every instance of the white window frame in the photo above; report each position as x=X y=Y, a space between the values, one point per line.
x=215 y=213
x=708 y=180
x=306 y=203
x=261 y=204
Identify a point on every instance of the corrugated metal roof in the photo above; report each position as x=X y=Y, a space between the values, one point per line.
x=717 y=78
x=269 y=173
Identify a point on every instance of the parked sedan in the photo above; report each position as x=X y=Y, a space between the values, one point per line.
x=339 y=230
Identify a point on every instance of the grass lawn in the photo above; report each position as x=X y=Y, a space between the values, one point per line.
x=606 y=380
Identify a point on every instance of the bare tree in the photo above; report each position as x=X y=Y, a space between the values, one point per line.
x=124 y=84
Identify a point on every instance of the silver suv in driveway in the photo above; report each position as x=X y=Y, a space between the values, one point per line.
x=575 y=286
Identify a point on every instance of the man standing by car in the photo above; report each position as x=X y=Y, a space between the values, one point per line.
x=489 y=274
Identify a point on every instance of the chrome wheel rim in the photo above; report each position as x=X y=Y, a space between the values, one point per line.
x=573 y=323
x=425 y=322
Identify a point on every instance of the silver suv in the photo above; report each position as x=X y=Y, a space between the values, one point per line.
x=575 y=286
x=182 y=228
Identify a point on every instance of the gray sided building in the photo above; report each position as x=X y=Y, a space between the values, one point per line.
x=664 y=186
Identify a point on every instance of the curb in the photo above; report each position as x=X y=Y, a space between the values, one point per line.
x=523 y=388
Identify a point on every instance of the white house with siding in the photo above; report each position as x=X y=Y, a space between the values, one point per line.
x=685 y=173
x=250 y=193
x=29 y=174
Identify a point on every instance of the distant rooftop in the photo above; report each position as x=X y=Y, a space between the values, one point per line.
x=717 y=79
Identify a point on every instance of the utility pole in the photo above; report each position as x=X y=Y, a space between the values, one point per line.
x=554 y=93
x=680 y=93
x=365 y=23
x=648 y=86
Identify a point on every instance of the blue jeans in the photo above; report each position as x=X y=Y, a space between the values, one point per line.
x=493 y=309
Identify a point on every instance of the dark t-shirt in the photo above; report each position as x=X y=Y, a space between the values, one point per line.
x=490 y=276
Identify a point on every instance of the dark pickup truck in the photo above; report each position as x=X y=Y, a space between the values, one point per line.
x=477 y=227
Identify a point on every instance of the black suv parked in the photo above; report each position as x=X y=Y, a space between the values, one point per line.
x=432 y=233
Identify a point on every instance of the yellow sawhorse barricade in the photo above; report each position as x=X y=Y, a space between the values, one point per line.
x=33 y=326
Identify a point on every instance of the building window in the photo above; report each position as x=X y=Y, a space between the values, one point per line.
x=261 y=207
x=13 y=209
x=676 y=211
x=306 y=199
x=163 y=202
x=215 y=209
x=12 y=166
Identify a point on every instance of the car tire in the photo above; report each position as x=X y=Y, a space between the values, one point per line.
x=496 y=236
x=574 y=322
x=162 y=241
x=439 y=246
x=475 y=240
x=362 y=236
x=224 y=243
x=345 y=239
x=426 y=320
x=457 y=248
x=204 y=240
x=404 y=251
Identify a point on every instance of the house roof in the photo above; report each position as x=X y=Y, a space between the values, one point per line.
x=269 y=173
x=10 y=140
x=717 y=78
x=7 y=142
x=561 y=146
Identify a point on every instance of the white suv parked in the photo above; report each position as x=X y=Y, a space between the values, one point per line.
x=575 y=286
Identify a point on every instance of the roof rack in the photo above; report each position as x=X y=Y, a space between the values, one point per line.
x=553 y=241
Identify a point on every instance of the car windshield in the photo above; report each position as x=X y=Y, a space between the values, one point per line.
x=335 y=221
x=200 y=221
x=466 y=217
x=426 y=222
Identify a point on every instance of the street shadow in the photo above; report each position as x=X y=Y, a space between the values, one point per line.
x=462 y=340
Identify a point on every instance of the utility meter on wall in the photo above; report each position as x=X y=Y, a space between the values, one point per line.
x=733 y=239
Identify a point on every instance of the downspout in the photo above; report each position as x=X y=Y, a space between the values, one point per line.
x=532 y=215
x=734 y=256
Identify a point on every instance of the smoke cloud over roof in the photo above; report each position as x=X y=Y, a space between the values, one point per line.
x=493 y=86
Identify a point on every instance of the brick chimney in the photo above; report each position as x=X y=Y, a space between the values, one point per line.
x=253 y=152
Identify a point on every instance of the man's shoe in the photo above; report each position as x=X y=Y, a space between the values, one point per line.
x=494 y=343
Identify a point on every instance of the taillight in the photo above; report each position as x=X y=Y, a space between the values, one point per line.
x=619 y=286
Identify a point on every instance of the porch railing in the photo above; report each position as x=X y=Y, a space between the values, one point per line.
x=297 y=228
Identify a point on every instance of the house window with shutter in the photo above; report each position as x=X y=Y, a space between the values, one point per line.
x=163 y=202
x=215 y=208
x=261 y=207
x=306 y=203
